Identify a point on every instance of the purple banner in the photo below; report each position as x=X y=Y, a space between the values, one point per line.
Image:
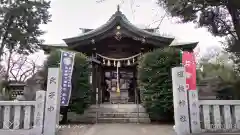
x=67 y=62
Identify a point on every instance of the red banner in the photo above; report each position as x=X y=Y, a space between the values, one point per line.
x=188 y=60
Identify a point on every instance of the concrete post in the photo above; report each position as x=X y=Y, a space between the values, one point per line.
x=52 y=101
x=180 y=101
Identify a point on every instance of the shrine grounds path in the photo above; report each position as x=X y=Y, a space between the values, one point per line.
x=117 y=129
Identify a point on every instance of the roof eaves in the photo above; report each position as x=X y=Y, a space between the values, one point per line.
x=151 y=34
x=55 y=45
x=187 y=46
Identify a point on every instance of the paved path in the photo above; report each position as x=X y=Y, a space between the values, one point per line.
x=117 y=129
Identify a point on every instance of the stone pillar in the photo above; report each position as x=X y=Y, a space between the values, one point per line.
x=180 y=101
x=194 y=111
x=39 y=111
x=52 y=108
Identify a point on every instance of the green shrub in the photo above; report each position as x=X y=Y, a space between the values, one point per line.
x=155 y=82
x=80 y=95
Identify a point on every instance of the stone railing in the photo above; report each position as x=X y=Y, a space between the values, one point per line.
x=194 y=116
x=220 y=115
x=22 y=117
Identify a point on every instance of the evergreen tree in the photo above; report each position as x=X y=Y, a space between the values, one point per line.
x=80 y=95
x=221 y=17
x=19 y=25
x=155 y=81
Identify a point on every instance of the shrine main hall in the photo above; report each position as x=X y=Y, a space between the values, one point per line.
x=114 y=49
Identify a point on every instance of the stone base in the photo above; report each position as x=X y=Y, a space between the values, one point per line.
x=119 y=98
x=112 y=113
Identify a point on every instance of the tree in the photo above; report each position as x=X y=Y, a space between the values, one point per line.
x=155 y=82
x=212 y=70
x=218 y=64
x=22 y=68
x=17 y=68
x=220 y=67
x=80 y=95
x=2 y=74
x=221 y=17
x=2 y=71
x=19 y=25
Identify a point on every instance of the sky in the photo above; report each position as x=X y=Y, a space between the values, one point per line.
x=70 y=15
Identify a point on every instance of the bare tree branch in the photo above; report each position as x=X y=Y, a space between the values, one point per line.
x=24 y=75
x=21 y=67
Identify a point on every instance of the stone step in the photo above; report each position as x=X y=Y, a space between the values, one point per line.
x=120 y=110
x=92 y=119
x=109 y=113
x=114 y=108
x=113 y=120
x=119 y=101
x=123 y=120
x=83 y=120
x=118 y=115
x=117 y=106
x=123 y=115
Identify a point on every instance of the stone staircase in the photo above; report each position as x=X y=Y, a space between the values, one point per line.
x=112 y=113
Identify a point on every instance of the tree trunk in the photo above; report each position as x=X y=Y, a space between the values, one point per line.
x=8 y=65
x=233 y=11
x=5 y=35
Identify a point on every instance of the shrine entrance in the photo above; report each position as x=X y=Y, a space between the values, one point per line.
x=126 y=77
x=113 y=50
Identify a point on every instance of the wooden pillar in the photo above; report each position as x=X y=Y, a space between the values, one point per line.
x=98 y=83
x=136 y=84
x=135 y=87
x=93 y=83
x=102 y=86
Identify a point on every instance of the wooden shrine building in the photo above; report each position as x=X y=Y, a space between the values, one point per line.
x=114 y=48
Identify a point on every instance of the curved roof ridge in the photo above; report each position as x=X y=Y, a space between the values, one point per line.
x=118 y=18
x=112 y=18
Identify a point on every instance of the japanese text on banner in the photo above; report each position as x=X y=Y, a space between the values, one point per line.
x=189 y=63
x=67 y=63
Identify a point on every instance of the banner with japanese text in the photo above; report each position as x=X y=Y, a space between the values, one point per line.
x=66 y=64
x=188 y=60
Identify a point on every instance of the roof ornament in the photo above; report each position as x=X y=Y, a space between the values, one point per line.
x=118 y=8
x=93 y=41
x=143 y=40
x=118 y=36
